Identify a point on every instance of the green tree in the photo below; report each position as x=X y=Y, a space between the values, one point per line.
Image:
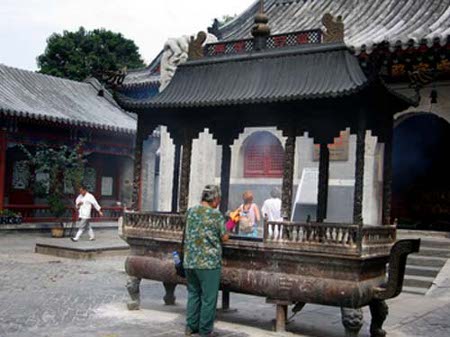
x=62 y=166
x=78 y=55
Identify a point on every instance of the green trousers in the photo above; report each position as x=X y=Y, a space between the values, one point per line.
x=203 y=289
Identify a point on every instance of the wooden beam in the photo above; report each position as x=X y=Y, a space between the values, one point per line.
x=359 y=177
x=387 y=180
x=137 y=181
x=3 y=147
x=288 y=176
x=324 y=172
x=143 y=131
x=176 y=178
x=225 y=177
x=185 y=174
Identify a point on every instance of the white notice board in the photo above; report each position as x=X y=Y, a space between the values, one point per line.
x=308 y=187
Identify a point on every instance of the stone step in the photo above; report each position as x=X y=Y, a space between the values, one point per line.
x=441 y=244
x=435 y=252
x=426 y=261
x=418 y=281
x=426 y=235
x=414 y=290
x=422 y=271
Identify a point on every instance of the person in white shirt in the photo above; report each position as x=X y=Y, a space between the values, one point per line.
x=84 y=204
x=271 y=209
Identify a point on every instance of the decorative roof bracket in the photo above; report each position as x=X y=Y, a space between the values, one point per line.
x=334 y=28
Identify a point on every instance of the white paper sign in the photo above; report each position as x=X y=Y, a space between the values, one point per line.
x=308 y=187
x=107 y=186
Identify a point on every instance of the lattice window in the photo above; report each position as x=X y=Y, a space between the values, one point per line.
x=90 y=179
x=264 y=156
x=21 y=175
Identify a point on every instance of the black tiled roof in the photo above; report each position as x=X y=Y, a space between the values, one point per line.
x=271 y=76
x=32 y=95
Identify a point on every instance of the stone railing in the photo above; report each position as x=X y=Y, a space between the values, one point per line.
x=317 y=233
x=376 y=239
x=327 y=238
x=323 y=237
x=153 y=224
x=42 y=213
x=331 y=237
x=378 y=234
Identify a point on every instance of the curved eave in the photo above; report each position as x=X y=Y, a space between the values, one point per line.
x=139 y=85
x=66 y=121
x=404 y=101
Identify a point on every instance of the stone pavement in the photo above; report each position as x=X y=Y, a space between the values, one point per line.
x=44 y=296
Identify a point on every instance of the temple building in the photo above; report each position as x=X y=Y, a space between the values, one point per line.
x=407 y=43
x=37 y=109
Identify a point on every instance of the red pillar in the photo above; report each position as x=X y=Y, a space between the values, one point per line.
x=3 y=144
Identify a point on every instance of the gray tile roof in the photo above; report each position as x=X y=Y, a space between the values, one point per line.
x=271 y=76
x=366 y=22
x=33 y=95
x=139 y=77
x=149 y=74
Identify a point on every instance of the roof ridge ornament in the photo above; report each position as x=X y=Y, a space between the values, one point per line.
x=113 y=78
x=261 y=29
x=178 y=50
x=334 y=28
x=196 y=50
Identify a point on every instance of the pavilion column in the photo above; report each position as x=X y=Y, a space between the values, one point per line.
x=225 y=191
x=387 y=179
x=3 y=146
x=288 y=176
x=359 y=177
x=176 y=177
x=185 y=174
x=137 y=181
x=324 y=172
x=225 y=177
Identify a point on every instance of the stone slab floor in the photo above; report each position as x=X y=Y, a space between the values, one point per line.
x=48 y=296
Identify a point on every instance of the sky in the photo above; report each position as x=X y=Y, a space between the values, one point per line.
x=25 y=25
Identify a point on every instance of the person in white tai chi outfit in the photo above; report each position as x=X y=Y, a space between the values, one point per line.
x=84 y=204
x=271 y=210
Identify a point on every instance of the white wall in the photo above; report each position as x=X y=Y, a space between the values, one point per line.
x=167 y=150
x=203 y=165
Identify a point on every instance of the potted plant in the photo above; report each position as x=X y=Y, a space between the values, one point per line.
x=8 y=217
x=58 y=209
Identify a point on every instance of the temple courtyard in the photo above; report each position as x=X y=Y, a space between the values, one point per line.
x=45 y=295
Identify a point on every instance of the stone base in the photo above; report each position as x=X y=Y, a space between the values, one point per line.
x=88 y=250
